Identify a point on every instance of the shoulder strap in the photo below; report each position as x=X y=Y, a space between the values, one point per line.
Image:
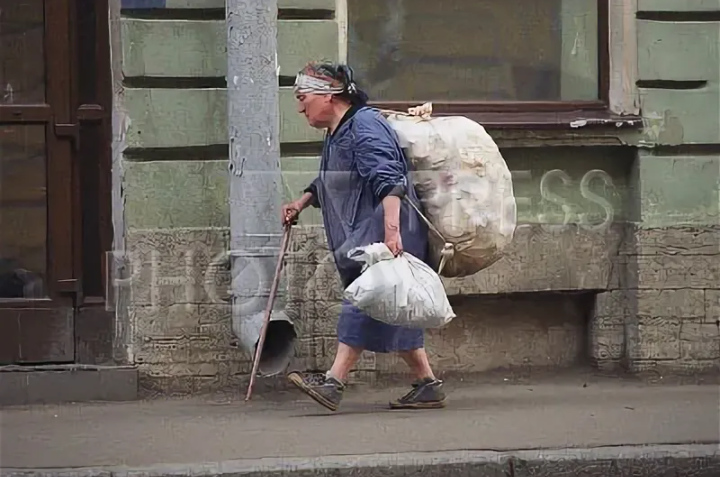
x=448 y=250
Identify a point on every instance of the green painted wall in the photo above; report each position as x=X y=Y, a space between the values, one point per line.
x=679 y=67
x=199 y=46
x=679 y=5
x=167 y=194
x=198 y=117
x=680 y=61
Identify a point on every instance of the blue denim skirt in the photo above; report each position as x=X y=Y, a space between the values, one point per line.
x=358 y=330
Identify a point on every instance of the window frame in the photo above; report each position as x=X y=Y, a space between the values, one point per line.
x=540 y=114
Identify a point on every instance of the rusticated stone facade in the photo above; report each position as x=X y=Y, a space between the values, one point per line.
x=596 y=304
x=491 y=331
x=178 y=323
x=666 y=314
x=672 y=299
x=616 y=262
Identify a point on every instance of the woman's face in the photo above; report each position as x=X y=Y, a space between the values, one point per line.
x=317 y=108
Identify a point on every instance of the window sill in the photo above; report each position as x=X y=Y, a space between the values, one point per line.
x=543 y=128
x=547 y=115
x=564 y=120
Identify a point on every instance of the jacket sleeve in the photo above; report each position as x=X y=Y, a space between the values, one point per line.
x=313 y=189
x=378 y=161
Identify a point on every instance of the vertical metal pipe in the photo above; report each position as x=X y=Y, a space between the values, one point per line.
x=255 y=179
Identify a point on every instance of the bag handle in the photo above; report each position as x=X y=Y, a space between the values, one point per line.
x=448 y=250
x=424 y=111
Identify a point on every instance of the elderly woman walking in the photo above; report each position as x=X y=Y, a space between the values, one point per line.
x=360 y=189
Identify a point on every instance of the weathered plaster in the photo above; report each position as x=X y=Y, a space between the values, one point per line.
x=679 y=5
x=122 y=344
x=623 y=57
x=676 y=190
x=678 y=51
x=197 y=117
x=579 y=78
x=197 y=48
x=341 y=17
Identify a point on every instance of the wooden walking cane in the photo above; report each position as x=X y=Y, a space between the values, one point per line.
x=268 y=310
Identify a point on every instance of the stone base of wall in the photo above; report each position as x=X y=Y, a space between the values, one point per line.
x=490 y=333
x=619 y=299
x=508 y=315
x=667 y=315
x=495 y=332
x=673 y=299
x=179 y=329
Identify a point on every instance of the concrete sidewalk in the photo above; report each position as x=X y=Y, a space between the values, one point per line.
x=481 y=424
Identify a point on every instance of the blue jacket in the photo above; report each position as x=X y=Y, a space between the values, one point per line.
x=362 y=163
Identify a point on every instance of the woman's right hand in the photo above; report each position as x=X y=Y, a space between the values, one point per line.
x=290 y=212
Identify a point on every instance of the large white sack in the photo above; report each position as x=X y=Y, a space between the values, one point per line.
x=400 y=290
x=464 y=184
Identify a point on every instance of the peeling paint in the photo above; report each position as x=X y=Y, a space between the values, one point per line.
x=581 y=123
x=672 y=133
x=124 y=327
x=662 y=128
x=9 y=96
x=624 y=97
x=118 y=268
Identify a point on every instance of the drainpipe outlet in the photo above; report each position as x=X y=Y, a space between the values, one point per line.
x=279 y=346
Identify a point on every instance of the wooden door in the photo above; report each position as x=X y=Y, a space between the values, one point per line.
x=39 y=276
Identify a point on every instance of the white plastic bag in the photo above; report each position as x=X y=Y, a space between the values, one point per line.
x=400 y=290
x=465 y=186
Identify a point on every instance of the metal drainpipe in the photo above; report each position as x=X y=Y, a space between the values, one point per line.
x=255 y=179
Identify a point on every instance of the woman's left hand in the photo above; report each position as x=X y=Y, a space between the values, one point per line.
x=393 y=240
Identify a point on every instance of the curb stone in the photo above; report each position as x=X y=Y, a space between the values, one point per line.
x=701 y=460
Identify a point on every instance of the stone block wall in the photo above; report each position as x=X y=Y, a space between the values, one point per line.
x=508 y=315
x=180 y=326
x=673 y=260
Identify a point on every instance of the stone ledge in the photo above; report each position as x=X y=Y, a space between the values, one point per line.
x=638 y=461
x=676 y=367
x=23 y=385
x=672 y=272
x=224 y=382
x=680 y=240
x=681 y=304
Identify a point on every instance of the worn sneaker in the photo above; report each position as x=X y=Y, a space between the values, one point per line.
x=326 y=391
x=425 y=394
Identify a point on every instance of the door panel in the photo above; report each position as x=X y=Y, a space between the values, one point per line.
x=37 y=335
x=22 y=51
x=93 y=102
x=38 y=278
x=23 y=211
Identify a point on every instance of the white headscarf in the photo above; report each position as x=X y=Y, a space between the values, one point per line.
x=306 y=84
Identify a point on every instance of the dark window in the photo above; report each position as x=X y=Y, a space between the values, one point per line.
x=482 y=56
